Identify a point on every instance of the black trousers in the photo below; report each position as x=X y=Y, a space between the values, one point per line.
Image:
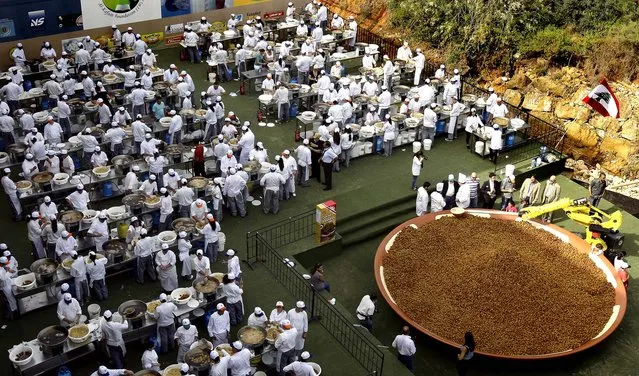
x=328 y=174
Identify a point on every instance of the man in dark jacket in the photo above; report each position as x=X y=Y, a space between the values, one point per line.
x=450 y=191
x=490 y=191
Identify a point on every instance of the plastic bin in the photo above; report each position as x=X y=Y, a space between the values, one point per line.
x=427 y=144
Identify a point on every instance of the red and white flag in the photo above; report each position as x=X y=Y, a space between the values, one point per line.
x=603 y=100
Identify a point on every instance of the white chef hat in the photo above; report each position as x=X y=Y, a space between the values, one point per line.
x=220 y=306
x=184 y=367
x=230 y=252
x=199 y=252
x=237 y=345
x=186 y=322
x=163 y=296
x=214 y=355
x=165 y=246
x=182 y=234
x=102 y=370
x=451 y=177
x=461 y=178
x=279 y=304
x=65 y=296
x=231 y=276
x=439 y=187
x=107 y=314
x=300 y=304
x=64 y=287
x=306 y=355
x=3 y=260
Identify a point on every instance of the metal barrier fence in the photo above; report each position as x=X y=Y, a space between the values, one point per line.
x=280 y=234
x=339 y=326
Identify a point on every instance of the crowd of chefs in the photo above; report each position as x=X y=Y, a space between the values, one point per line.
x=331 y=145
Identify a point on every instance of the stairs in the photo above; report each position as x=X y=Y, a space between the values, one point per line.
x=376 y=220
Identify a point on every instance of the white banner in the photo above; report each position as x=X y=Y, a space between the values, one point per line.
x=100 y=13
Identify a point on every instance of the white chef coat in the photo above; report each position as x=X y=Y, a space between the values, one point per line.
x=500 y=110
x=278 y=317
x=389 y=131
x=137 y=98
x=186 y=336
x=64 y=247
x=171 y=181
x=240 y=363
x=199 y=213
x=147 y=147
x=421 y=203
x=68 y=311
x=286 y=340
x=370 y=88
x=185 y=196
x=146 y=80
x=299 y=320
x=300 y=369
x=100 y=159
x=26 y=122
x=202 y=266
x=112 y=332
x=156 y=165
x=219 y=323
x=150 y=360
x=144 y=247
x=104 y=114
x=139 y=130
x=164 y=313
x=99 y=228
x=176 y=124
x=253 y=320
x=233 y=292
x=496 y=142
x=365 y=308
x=166 y=207
x=437 y=202
x=89 y=142
x=78 y=200
x=149 y=187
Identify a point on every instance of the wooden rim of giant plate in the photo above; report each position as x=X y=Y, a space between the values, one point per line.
x=580 y=245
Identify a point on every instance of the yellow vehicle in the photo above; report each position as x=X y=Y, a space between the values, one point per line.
x=601 y=227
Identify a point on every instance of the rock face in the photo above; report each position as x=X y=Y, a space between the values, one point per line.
x=557 y=97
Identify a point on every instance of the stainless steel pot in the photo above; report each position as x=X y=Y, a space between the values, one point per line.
x=44 y=270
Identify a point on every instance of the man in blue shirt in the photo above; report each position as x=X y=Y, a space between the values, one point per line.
x=158 y=108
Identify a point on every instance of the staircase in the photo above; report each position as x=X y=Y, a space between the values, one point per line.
x=376 y=220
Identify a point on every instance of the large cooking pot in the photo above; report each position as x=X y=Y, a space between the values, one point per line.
x=252 y=336
x=52 y=338
x=184 y=224
x=115 y=250
x=43 y=177
x=44 y=270
x=174 y=150
x=121 y=163
x=71 y=217
x=134 y=201
x=198 y=359
x=206 y=286
x=133 y=311
x=147 y=372
x=16 y=151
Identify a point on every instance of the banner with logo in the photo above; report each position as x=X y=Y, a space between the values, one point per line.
x=171 y=8
x=100 y=13
x=20 y=19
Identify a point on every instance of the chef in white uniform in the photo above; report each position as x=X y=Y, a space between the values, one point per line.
x=184 y=247
x=164 y=315
x=219 y=325
x=167 y=274
x=6 y=284
x=285 y=345
x=69 y=311
x=299 y=319
x=11 y=190
x=99 y=231
x=240 y=363
x=278 y=314
x=185 y=336
x=112 y=332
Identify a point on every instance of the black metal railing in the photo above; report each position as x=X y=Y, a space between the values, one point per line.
x=280 y=234
x=337 y=324
x=538 y=133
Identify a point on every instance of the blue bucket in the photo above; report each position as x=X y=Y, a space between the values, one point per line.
x=440 y=127
x=510 y=140
x=107 y=189
x=27 y=85
x=156 y=218
x=64 y=371
x=293 y=111
x=379 y=144
x=76 y=161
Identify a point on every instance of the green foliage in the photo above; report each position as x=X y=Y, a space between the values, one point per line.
x=489 y=32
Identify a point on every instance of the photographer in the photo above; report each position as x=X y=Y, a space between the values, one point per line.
x=416 y=168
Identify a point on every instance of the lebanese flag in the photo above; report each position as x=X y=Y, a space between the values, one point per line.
x=603 y=100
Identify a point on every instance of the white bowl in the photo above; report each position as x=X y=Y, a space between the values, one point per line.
x=229 y=33
x=116 y=212
x=102 y=174
x=89 y=215
x=165 y=122
x=316 y=368
x=60 y=178
x=17 y=350
x=265 y=98
x=26 y=188
x=75 y=141
x=167 y=237
x=175 y=294
x=4 y=157
x=82 y=339
x=19 y=282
